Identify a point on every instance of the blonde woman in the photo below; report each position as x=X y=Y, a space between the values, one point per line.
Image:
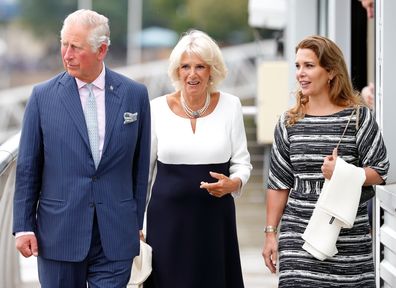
x=200 y=156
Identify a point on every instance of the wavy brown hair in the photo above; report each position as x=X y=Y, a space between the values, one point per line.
x=330 y=57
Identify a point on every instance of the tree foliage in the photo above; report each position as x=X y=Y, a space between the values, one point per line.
x=225 y=20
x=45 y=17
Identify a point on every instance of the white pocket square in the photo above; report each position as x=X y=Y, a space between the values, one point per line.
x=130 y=117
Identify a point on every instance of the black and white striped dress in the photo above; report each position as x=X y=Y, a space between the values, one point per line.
x=296 y=159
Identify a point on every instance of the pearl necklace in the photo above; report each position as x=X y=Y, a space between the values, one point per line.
x=191 y=113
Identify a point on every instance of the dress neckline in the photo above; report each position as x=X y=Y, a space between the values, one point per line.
x=343 y=111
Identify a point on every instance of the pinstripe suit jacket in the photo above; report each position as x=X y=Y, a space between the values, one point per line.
x=57 y=186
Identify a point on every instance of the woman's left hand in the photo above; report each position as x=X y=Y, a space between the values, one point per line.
x=223 y=186
x=329 y=164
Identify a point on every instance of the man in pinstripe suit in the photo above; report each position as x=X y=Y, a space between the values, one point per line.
x=80 y=214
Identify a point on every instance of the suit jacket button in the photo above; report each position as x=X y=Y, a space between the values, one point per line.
x=94 y=178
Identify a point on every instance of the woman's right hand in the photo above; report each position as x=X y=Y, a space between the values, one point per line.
x=270 y=251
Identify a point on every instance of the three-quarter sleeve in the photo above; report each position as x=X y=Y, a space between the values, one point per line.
x=370 y=144
x=240 y=158
x=280 y=171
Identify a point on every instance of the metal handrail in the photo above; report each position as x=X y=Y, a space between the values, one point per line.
x=9 y=152
x=9 y=260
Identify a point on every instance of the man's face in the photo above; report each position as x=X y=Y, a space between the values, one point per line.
x=78 y=56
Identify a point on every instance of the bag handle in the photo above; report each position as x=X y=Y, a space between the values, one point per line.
x=346 y=127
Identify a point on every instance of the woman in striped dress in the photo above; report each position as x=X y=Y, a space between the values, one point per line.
x=302 y=158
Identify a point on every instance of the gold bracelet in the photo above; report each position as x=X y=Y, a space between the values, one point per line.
x=271 y=229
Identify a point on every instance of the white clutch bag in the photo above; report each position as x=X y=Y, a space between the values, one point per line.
x=141 y=266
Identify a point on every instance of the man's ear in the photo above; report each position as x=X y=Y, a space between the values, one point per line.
x=102 y=51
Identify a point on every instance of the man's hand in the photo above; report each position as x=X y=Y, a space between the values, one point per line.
x=369 y=6
x=368 y=95
x=27 y=245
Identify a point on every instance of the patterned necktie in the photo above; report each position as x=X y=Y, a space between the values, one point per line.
x=91 y=119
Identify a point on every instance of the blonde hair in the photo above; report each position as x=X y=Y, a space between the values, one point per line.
x=97 y=23
x=330 y=57
x=200 y=44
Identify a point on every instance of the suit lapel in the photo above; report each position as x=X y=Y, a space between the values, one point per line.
x=112 y=105
x=71 y=99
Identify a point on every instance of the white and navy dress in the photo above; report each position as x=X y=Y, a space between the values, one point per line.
x=193 y=234
x=296 y=158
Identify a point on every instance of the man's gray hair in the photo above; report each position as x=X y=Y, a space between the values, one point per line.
x=97 y=23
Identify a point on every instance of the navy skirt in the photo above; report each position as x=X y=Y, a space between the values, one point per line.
x=193 y=234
